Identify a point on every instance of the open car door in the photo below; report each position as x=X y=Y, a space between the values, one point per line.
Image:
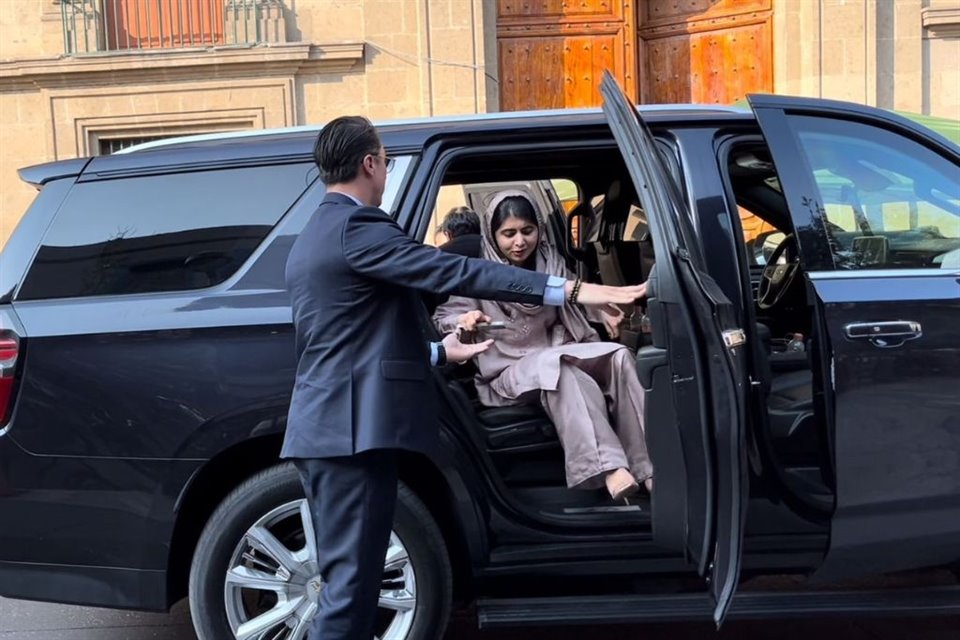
x=875 y=201
x=696 y=414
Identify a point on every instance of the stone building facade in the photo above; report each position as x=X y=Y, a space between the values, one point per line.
x=85 y=77
x=895 y=54
x=316 y=59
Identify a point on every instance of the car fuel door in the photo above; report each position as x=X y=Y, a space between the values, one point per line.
x=875 y=202
x=699 y=457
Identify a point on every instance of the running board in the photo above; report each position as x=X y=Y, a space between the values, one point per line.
x=516 y=612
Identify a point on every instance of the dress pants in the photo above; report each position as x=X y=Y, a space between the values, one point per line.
x=352 y=500
x=598 y=411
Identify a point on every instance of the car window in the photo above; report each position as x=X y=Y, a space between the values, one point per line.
x=759 y=236
x=169 y=232
x=396 y=181
x=568 y=192
x=890 y=202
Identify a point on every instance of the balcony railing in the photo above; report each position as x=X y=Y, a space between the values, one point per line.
x=94 y=26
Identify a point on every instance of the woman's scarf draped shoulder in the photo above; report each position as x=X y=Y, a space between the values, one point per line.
x=549 y=261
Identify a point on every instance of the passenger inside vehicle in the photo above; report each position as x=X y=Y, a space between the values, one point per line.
x=601 y=233
x=555 y=358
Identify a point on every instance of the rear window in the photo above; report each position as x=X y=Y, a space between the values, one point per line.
x=168 y=232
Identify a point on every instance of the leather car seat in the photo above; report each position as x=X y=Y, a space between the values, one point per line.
x=620 y=261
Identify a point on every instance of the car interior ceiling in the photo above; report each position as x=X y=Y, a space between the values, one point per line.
x=521 y=441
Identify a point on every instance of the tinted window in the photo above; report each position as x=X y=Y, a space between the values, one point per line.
x=891 y=203
x=161 y=233
x=17 y=253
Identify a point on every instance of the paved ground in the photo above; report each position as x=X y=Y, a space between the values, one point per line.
x=21 y=620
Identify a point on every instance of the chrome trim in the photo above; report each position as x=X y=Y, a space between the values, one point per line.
x=734 y=338
x=471 y=117
x=883 y=329
x=887 y=334
x=882 y=273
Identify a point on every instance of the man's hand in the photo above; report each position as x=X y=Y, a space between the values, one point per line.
x=598 y=295
x=458 y=352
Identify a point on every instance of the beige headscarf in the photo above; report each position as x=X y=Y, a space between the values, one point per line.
x=549 y=260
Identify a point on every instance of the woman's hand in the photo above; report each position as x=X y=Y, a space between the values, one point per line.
x=612 y=317
x=598 y=295
x=458 y=352
x=469 y=320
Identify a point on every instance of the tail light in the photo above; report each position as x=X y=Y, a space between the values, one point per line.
x=9 y=351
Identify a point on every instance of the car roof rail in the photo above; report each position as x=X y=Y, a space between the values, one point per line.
x=401 y=122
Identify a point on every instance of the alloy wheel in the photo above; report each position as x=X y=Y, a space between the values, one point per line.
x=273 y=585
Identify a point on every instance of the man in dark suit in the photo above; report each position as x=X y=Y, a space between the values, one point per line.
x=363 y=388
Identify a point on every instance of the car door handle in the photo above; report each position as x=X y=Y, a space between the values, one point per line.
x=891 y=333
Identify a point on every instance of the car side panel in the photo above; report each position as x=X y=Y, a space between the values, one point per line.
x=61 y=510
x=898 y=424
x=138 y=379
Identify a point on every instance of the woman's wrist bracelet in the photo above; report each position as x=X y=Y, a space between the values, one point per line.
x=576 y=290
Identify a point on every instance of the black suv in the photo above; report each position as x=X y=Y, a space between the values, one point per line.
x=802 y=371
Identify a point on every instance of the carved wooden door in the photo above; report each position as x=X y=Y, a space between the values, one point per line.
x=707 y=51
x=552 y=52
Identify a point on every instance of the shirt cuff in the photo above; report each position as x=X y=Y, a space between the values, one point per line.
x=434 y=354
x=554 y=295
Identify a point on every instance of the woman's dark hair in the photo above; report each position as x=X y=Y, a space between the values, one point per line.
x=460 y=221
x=341 y=147
x=513 y=207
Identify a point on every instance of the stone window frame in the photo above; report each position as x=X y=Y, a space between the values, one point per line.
x=941 y=22
x=91 y=131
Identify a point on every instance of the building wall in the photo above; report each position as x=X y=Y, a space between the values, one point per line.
x=895 y=54
x=382 y=58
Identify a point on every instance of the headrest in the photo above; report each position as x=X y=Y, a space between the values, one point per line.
x=613 y=191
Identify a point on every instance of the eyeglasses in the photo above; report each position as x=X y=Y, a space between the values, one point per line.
x=388 y=162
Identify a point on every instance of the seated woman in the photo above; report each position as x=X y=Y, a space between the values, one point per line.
x=553 y=356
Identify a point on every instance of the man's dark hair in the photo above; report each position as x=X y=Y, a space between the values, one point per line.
x=341 y=147
x=460 y=221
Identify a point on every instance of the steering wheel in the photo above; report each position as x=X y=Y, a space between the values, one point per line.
x=777 y=278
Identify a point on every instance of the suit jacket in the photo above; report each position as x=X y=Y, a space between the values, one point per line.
x=363 y=378
x=467 y=246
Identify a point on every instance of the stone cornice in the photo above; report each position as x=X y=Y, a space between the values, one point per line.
x=181 y=64
x=941 y=23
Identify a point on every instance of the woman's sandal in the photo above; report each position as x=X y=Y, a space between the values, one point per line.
x=626 y=488
x=623 y=494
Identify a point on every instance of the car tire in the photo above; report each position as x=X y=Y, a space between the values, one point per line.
x=272 y=491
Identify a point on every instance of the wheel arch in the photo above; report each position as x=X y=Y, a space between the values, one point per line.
x=205 y=490
x=453 y=509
